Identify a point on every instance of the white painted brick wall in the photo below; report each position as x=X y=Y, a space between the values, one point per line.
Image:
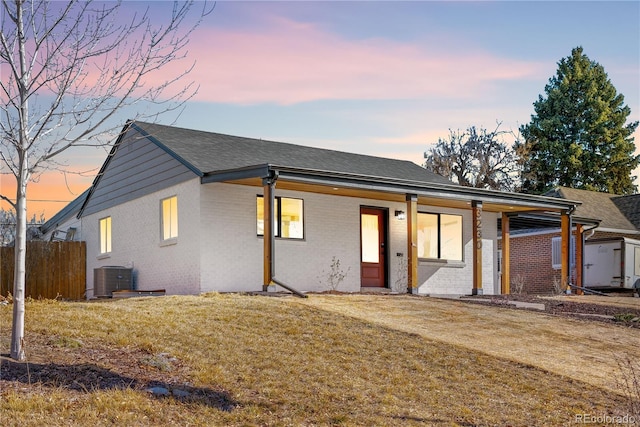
x=232 y=253
x=457 y=278
x=490 y=277
x=136 y=241
x=218 y=249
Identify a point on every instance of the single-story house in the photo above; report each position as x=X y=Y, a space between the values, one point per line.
x=536 y=253
x=192 y=212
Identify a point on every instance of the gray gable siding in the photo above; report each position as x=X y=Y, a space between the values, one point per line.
x=138 y=167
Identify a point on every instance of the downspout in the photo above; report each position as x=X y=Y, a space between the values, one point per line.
x=569 y=213
x=592 y=231
x=269 y=184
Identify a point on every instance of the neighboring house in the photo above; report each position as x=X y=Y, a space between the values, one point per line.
x=189 y=212
x=65 y=225
x=536 y=247
x=630 y=208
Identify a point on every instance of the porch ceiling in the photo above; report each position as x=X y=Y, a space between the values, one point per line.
x=394 y=196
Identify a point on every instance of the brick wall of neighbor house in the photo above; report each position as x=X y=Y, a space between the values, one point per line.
x=231 y=252
x=531 y=260
x=607 y=235
x=136 y=241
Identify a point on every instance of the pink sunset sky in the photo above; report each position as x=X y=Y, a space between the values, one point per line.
x=379 y=78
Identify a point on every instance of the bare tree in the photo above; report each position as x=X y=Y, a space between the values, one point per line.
x=68 y=68
x=475 y=158
x=8 y=227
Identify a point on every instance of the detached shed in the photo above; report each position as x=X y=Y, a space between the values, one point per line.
x=612 y=263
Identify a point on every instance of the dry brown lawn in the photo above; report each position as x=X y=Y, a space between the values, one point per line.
x=618 y=301
x=352 y=360
x=580 y=349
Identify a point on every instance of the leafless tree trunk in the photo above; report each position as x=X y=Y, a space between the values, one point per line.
x=67 y=69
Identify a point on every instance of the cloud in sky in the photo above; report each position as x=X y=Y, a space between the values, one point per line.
x=293 y=62
x=380 y=78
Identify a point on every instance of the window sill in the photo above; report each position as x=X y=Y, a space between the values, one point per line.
x=441 y=263
x=169 y=242
x=292 y=239
x=104 y=256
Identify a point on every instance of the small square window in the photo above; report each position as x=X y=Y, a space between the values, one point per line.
x=556 y=252
x=440 y=236
x=288 y=221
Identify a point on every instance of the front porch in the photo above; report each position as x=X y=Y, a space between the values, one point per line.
x=407 y=200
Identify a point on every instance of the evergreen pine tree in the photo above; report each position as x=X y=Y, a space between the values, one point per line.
x=578 y=136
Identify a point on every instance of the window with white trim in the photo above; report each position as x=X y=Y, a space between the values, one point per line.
x=440 y=236
x=105 y=235
x=556 y=252
x=169 y=218
x=288 y=221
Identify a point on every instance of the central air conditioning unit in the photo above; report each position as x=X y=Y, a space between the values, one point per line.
x=108 y=279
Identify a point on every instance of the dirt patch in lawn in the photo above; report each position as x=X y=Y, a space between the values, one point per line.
x=623 y=311
x=576 y=347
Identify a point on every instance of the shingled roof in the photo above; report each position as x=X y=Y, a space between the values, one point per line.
x=210 y=152
x=65 y=213
x=596 y=205
x=630 y=207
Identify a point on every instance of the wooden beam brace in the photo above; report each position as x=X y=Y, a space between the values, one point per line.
x=565 y=236
x=579 y=257
x=412 y=243
x=506 y=256
x=476 y=207
x=269 y=233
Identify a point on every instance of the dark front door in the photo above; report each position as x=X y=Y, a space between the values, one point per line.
x=373 y=233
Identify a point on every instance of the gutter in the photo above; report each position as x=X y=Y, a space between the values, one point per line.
x=389 y=185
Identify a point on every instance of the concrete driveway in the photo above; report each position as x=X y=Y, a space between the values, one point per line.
x=584 y=350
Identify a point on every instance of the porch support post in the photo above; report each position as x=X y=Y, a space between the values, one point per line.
x=579 y=252
x=269 y=235
x=412 y=243
x=565 y=237
x=506 y=256
x=476 y=207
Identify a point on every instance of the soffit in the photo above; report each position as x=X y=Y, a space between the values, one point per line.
x=391 y=196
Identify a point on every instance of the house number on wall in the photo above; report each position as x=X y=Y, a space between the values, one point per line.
x=478 y=215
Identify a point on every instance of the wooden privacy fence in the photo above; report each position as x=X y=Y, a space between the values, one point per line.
x=54 y=270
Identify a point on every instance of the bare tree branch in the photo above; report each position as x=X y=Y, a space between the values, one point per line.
x=72 y=67
x=475 y=158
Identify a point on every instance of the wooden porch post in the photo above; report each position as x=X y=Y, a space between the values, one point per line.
x=506 y=255
x=412 y=243
x=476 y=207
x=565 y=233
x=579 y=262
x=269 y=235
